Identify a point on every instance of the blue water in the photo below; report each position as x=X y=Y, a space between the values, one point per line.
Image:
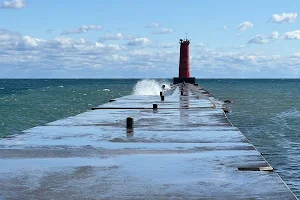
x=27 y=103
x=266 y=111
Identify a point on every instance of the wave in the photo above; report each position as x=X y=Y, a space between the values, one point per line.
x=149 y=87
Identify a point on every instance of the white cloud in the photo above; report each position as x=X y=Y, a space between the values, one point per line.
x=32 y=42
x=8 y=39
x=117 y=36
x=258 y=39
x=82 y=29
x=200 y=44
x=14 y=4
x=152 y=25
x=239 y=47
x=114 y=47
x=164 y=31
x=297 y=54
x=274 y=35
x=245 y=26
x=242 y=64
x=261 y=39
x=163 y=46
x=140 y=53
x=139 y=42
x=248 y=58
x=224 y=28
x=65 y=42
x=283 y=18
x=168 y=45
x=117 y=58
x=292 y=35
x=25 y=56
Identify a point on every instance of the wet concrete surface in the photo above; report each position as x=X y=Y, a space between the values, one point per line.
x=187 y=149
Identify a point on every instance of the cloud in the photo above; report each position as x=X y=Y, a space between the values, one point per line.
x=239 y=47
x=65 y=43
x=261 y=39
x=139 y=42
x=168 y=45
x=224 y=28
x=15 y=41
x=245 y=26
x=164 y=31
x=12 y=40
x=241 y=64
x=64 y=57
x=14 y=4
x=152 y=25
x=82 y=29
x=258 y=39
x=297 y=54
x=31 y=42
x=274 y=35
x=8 y=38
x=117 y=58
x=283 y=18
x=117 y=36
x=200 y=44
x=163 y=46
x=292 y=35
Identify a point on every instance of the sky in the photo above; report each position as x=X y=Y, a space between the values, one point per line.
x=140 y=38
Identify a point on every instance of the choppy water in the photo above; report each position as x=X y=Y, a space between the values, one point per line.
x=266 y=111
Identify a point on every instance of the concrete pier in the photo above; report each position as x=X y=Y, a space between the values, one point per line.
x=186 y=149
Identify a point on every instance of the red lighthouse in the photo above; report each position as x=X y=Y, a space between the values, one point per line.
x=184 y=59
x=184 y=63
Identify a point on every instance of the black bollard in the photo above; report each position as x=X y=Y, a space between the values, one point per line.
x=129 y=123
x=154 y=108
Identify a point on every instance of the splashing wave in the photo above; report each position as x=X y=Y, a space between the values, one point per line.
x=149 y=87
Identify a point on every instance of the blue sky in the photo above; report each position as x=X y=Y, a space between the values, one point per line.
x=139 y=39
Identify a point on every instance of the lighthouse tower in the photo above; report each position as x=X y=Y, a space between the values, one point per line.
x=184 y=63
